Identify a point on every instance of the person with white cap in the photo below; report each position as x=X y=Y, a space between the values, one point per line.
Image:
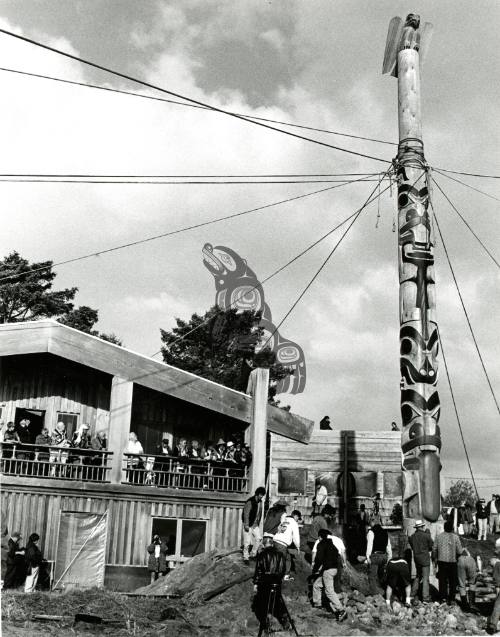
x=421 y=544
x=494 y=618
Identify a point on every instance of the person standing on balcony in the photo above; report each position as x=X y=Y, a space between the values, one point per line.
x=43 y=440
x=34 y=558
x=81 y=437
x=58 y=439
x=134 y=462
x=251 y=517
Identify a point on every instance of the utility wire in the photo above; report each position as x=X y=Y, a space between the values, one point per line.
x=332 y=251
x=467 y=224
x=173 y=232
x=465 y=312
x=486 y=194
x=268 y=278
x=252 y=176
x=183 y=97
x=162 y=99
x=455 y=408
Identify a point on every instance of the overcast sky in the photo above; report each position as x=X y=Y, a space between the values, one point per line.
x=311 y=62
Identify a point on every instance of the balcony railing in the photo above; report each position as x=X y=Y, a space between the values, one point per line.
x=185 y=473
x=64 y=463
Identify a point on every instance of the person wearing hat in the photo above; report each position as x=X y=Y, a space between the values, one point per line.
x=270 y=569
x=15 y=573
x=275 y=516
x=421 y=544
x=482 y=519
x=288 y=536
x=494 y=618
x=221 y=449
x=230 y=449
x=251 y=517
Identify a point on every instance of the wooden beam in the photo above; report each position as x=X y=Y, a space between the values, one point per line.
x=120 y=413
x=259 y=384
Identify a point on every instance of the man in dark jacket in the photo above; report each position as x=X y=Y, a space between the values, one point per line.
x=15 y=573
x=251 y=516
x=157 y=563
x=33 y=557
x=482 y=519
x=270 y=569
x=325 y=568
x=421 y=544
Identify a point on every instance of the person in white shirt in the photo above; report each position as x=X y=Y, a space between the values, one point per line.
x=288 y=535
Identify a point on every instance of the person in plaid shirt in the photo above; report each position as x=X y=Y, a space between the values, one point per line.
x=447 y=549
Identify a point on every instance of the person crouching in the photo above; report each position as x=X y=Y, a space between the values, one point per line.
x=270 y=569
x=325 y=566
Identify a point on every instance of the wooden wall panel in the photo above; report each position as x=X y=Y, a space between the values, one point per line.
x=129 y=521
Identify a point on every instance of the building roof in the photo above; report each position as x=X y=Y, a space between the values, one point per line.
x=48 y=336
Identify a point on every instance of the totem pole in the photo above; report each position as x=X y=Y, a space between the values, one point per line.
x=420 y=407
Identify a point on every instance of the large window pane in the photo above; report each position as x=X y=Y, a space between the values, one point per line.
x=193 y=537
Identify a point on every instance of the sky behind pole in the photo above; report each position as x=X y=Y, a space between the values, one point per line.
x=316 y=63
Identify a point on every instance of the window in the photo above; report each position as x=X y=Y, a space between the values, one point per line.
x=292 y=481
x=70 y=421
x=184 y=538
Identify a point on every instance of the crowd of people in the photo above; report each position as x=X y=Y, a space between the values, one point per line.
x=478 y=521
x=51 y=450
x=387 y=566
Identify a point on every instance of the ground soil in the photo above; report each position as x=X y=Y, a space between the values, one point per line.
x=229 y=613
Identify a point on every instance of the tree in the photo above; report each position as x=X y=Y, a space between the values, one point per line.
x=459 y=492
x=221 y=346
x=84 y=318
x=26 y=295
x=25 y=291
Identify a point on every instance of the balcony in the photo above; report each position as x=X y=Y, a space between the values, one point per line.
x=64 y=463
x=184 y=473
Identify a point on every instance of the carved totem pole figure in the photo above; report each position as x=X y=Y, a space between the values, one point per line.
x=419 y=342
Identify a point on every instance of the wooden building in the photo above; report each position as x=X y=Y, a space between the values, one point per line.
x=353 y=466
x=51 y=373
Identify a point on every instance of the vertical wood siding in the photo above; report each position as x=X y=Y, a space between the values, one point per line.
x=129 y=521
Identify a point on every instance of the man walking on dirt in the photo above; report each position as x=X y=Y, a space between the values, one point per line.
x=421 y=544
x=251 y=517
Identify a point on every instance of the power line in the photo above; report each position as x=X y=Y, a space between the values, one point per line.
x=459 y=181
x=162 y=99
x=465 y=312
x=467 y=224
x=318 y=271
x=248 y=176
x=456 y=410
x=183 y=97
x=173 y=232
x=268 y=278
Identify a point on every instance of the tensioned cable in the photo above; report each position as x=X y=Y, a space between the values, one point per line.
x=459 y=181
x=325 y=261
x=465 y=312
x=162 y=99
x=173 y=232
x=159 y=182
x=248 y=176
x=456 y=409
x=467 y=224
x=183 y=97
x=268 y=278
x=456 y=172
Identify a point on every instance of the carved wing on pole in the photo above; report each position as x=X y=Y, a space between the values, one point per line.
x=425 y=39
x=394 y=32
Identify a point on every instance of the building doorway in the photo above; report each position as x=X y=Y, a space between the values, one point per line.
x=36 y=418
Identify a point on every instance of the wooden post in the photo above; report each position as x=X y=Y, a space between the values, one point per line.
x=345 y=477
x=258 y=385
x=120 y=412
x=420 y=406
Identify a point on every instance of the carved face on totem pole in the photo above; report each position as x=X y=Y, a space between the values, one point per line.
x=419 y=341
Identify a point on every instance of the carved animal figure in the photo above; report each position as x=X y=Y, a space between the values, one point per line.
x=405 y=36
x=237 y=285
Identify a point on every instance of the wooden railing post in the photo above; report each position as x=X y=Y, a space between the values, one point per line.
x=258 y=386
x=120 y=412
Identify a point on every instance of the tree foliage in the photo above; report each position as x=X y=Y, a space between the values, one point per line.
x=221 y=346
x=460 y=492
x=26 y=295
